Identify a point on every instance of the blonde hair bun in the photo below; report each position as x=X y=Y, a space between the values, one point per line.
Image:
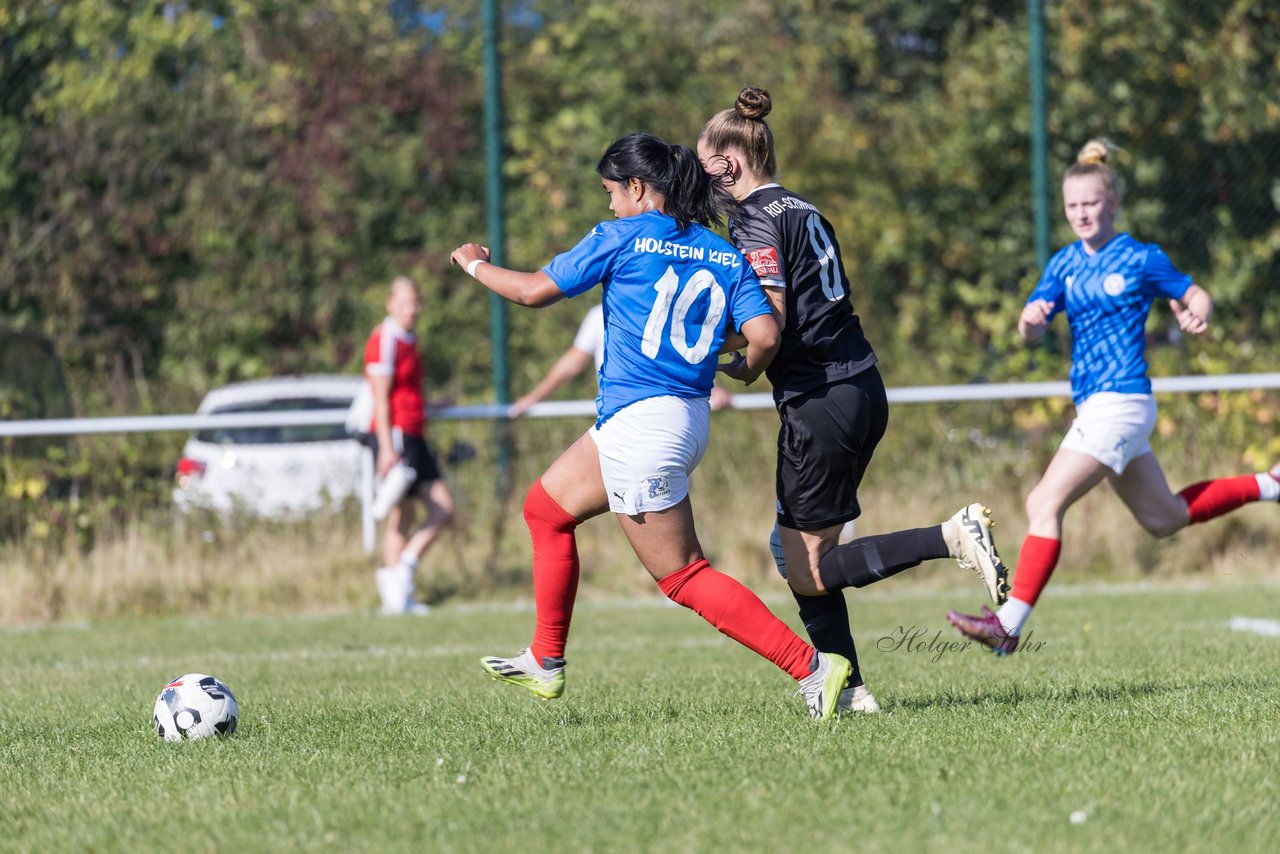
x=1095 y=151
x=753 y=103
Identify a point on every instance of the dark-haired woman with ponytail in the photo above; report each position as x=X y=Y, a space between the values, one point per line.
x=830 y=398
x=671 y=287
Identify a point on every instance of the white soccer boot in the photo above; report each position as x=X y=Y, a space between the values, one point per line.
x=971 y=543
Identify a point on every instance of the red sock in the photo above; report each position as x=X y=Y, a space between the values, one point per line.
x=555 y=571
x=1212 y=498
x=1036 y=561
x=738 y=613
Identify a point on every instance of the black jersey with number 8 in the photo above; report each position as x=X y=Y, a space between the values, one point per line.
x=792 y=246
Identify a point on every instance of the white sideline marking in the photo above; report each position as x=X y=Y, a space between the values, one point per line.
x=1255 y=625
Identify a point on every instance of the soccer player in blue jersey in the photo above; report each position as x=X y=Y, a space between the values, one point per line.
x=672 y=289
x=830 y=398
x=1106 y=283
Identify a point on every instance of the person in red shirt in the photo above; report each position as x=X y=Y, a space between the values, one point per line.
x=393 y=368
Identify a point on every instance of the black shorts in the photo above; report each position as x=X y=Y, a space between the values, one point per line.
x=825 y=443
x=416 y=454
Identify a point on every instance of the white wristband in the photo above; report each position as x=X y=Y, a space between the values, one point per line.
x=472 y=265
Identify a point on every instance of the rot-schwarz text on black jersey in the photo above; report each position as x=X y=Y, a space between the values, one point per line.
x=791 y=246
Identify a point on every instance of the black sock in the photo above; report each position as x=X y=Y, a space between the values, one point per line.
x=826 y=619
x=867 y=560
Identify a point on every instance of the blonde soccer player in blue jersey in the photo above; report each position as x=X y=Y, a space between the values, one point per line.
x=1106 y=282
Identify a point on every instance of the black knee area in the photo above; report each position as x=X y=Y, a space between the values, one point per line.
x=870 y=559
x=826 y=620
x=821 y=612
x=854 y=564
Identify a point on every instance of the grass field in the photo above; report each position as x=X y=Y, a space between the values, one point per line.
x=1143 y=722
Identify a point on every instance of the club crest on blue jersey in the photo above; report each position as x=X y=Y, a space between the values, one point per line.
x=1113 y=285
x=1107 y=296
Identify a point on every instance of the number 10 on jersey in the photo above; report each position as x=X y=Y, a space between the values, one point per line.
x=668 y=287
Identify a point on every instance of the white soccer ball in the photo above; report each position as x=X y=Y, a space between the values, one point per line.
x=195 y=706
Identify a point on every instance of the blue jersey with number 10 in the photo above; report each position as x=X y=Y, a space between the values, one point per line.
x=668 y=297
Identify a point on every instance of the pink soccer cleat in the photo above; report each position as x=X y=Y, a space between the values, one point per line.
x=986 y=629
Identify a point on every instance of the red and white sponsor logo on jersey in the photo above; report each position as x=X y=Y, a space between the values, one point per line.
x=764 y=261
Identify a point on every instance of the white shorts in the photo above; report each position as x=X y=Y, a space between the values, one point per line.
x=649 y=449
x=1113 y=428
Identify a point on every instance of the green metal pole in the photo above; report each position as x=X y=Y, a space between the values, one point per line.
x=1039 y=131
x=497 y=244
x=493 y=196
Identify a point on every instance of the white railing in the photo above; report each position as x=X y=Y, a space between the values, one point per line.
x=585 y=408
x=554 y=409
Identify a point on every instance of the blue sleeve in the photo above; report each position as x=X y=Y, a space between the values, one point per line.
x=748 y=298
x=1160 y=278
x=1051 y=288
x=587 y=264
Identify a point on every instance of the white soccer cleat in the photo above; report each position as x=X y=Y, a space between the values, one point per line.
x=393 y=589
x=821 y=688
x=858 y=699
x=971 y=543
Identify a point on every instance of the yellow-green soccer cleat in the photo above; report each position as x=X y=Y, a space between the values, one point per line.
x=545 y=678
x=822 y=687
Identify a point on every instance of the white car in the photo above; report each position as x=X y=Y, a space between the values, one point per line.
x=272 y=471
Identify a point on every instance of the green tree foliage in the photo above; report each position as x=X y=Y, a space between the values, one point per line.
x=214 y=194
x=198 y=192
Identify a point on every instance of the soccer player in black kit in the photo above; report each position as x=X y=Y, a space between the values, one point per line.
x=830 y=399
